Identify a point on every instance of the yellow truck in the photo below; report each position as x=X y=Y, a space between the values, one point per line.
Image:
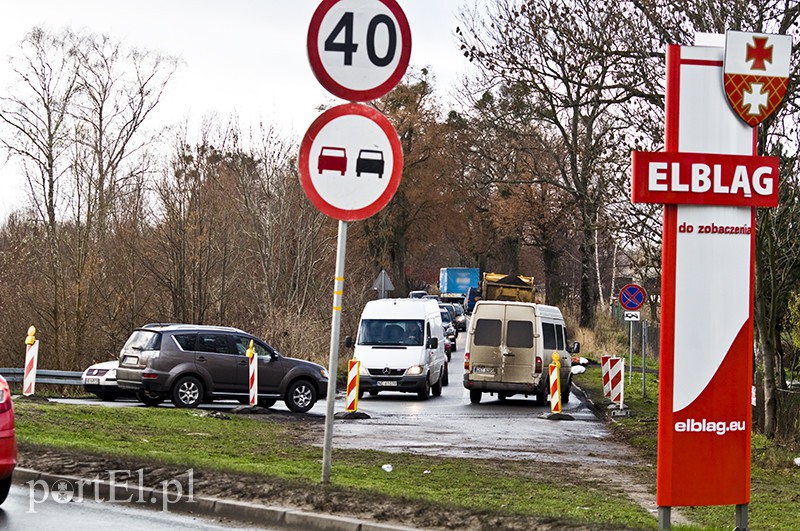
x=501 y=287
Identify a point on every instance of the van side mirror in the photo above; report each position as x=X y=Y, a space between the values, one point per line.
x=348 y=342
x=433 y=342
x=575 y=349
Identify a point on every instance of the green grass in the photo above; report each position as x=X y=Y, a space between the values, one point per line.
x=247 y=445
x=775 y=481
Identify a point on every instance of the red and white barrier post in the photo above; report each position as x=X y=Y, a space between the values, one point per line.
x=616 y=374
x=253 y=363
x=604 y=365
x=555 y=384
x=353 y=371
x=31 y=361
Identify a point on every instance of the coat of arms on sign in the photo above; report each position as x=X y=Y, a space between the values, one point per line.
x=756 y=73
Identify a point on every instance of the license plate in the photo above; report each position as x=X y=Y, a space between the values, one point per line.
x=130 y=360
x=92 y=381
x=387 y=383
x=484 y=370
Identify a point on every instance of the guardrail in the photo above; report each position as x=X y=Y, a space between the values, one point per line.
x=44 y=376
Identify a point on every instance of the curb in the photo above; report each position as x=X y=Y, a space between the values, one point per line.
x=155 y=499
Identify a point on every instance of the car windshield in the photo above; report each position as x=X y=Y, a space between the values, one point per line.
x=144 y=340
x=391 y=332
x=445 y=317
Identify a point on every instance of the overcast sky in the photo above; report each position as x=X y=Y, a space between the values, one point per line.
x=243 y=56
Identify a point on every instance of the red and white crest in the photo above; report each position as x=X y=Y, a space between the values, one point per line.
x=756 y=73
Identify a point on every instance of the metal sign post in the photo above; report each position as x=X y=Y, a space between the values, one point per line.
x=336 y=320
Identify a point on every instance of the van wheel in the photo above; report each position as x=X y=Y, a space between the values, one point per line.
x=301 y=396
x=565 y=391
x=425 y=392
x=446 y=377
x=542 y=396
x=437 y=387
x=187 y=392
x=149 y=399
x=475 y=396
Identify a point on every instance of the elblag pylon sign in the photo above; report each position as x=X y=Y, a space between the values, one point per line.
x=710 y=180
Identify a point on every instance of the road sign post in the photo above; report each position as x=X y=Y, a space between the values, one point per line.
x=631 y=297
x=350 y=159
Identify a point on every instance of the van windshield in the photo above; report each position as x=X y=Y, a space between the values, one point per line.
x=406 y=332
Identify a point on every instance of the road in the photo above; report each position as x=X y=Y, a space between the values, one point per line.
x=22 y=512
x=450 y=426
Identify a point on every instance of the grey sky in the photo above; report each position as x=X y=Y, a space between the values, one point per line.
x=243 y=56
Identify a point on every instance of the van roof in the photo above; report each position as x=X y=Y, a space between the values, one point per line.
x=400 y=308
x=542 y=310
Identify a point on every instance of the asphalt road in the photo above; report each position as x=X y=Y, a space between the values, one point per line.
x=450 y=426
x=24 y=510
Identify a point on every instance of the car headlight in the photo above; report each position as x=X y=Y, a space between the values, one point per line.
x=414 y=370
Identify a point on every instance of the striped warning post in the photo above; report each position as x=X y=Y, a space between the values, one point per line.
x=616 y=376
x=253 y=374
x=606 y=379
x=31 y=361
x=555 y=385
x=353 y=370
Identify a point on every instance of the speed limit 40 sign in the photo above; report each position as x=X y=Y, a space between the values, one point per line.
x=359 y=49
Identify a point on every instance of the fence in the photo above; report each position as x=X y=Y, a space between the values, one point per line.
x=43 y=376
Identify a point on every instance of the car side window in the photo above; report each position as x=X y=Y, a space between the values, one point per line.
x=560 y=337
x=185 y=341
x=519 y=334
x=487 y=332
x=242 y=343
x=549 y=336
x=217 y=343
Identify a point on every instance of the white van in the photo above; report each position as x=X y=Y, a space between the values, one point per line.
x=509 y=347
x=400 y=345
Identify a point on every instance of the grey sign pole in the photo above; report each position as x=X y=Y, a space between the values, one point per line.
x=644 y=358
x=333 y=363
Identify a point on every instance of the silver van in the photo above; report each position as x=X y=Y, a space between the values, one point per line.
x=509 y=347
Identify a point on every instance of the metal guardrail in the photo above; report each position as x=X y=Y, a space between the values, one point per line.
x=44 y=376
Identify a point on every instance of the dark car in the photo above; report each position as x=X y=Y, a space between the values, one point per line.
x=460 y=320
x=369 y=161
x=191 y=364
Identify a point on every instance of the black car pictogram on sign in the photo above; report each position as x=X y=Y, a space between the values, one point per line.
x=369 y=161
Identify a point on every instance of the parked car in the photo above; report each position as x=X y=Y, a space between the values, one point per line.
x=101 y=379
x=8 y=440
x=417 y=294
x=191 y=364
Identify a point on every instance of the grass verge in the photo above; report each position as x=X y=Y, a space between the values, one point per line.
x=775 y=481
x=271 y=449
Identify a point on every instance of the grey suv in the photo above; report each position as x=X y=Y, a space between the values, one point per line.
x=194 y=363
